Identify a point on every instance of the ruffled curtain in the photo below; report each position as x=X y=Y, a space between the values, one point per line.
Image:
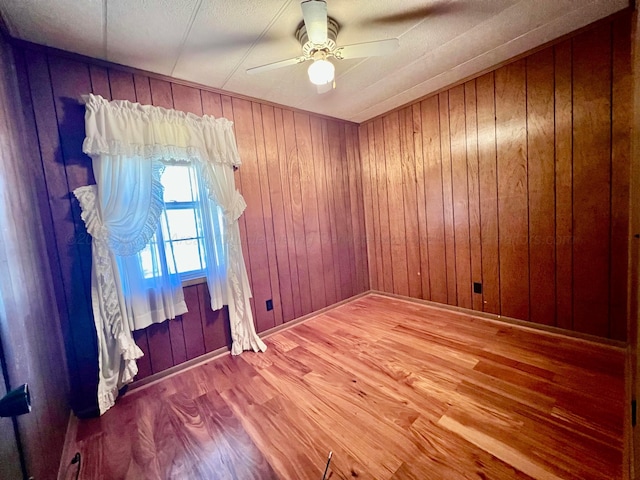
x=129 y=143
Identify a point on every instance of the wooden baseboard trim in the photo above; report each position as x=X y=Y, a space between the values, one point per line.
x=584 y=337
x=170 y=372
x=194 y=362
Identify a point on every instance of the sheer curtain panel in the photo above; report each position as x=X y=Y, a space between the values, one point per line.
x=130 y=144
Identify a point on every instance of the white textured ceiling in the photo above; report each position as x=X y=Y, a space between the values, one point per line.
x=213 y=42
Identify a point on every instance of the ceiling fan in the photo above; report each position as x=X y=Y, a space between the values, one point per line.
x=317 y=35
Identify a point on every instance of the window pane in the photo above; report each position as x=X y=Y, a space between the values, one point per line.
x=182 y=224
x=177 y=181
x=147 y=262
x=187 y=254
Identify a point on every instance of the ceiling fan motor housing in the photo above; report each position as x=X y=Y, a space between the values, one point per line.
x=309 y=48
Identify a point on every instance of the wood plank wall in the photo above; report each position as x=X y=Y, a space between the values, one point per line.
x=518 y=180
x=30 y=333
x=302 y=232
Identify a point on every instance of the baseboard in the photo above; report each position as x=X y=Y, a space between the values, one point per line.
x=508 y=320
x=172 y=371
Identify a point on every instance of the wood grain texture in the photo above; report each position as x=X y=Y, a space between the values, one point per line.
x=511 y=141
x=401 y=397
x=432 y=159
x=376 y=240
x=460 y=191
x=523 y=173
x=473 y=180
x=541 y=186
x=30 y=328
x=447 y=199
x=621 y=118
x=564 y=185
x=488 y=179
x=409 y=187
x=397 y=231
x=296 y=171
x=591 y=180
x=386 y=273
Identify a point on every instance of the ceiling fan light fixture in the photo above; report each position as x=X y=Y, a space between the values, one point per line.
x=321 y=72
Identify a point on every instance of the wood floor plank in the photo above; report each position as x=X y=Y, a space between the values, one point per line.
x=394 y=388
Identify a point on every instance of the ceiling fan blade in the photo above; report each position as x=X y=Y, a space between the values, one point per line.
x=367 y=49
x=314 y=13
x=417 y=14
x=274 y=65
x=327 y=87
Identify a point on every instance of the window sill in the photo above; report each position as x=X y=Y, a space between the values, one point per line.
x=194 y=281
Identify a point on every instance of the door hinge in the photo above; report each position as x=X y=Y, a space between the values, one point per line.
x=634 y=409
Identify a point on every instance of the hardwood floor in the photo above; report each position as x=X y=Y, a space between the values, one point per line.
x=397 y=390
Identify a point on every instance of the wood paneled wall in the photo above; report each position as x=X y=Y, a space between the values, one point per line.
x=518 y=180
x=302 y=232
x=29 y=326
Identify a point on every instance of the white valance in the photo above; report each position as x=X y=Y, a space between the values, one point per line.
x=120 y=127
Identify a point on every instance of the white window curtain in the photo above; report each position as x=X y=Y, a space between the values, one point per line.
x=129 y=144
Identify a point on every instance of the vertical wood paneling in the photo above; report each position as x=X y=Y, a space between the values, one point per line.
x=436 y=246
x=144 y=363
x=564 y=186
x=447 y=200
x=423 y=232
x=460 y=195
x=621 y=117
x=43 y=329
x=122 y=86
x=356 y=215
x=143 y=89
x=29 y=326
x=591 y=180
x=100 y=81
x=289 y=232
x=522 y=184
x=192 y=325
x=541 y=186
x=310 y=210
x=177 y=331
x=302 y=233
x=249 y=186
x=511 y=140
x=324 y=218
x=397 y=232
x=473 y=180
x=267 y=217
x=217 y=331
x=293 y=170
x=330 y=172
x=276 y=196
x=365 y=159
x=386 y=273
x=211 y=103
x=488 y=179
x=344 y=232
x=375 y=197
x=412 y=235
x=160 y=352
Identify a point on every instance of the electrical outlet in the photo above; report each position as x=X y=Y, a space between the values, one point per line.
x=269 y=305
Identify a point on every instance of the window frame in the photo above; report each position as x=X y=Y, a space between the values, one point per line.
x=191 y=275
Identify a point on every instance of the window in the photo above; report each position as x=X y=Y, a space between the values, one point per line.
x=178 y=247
